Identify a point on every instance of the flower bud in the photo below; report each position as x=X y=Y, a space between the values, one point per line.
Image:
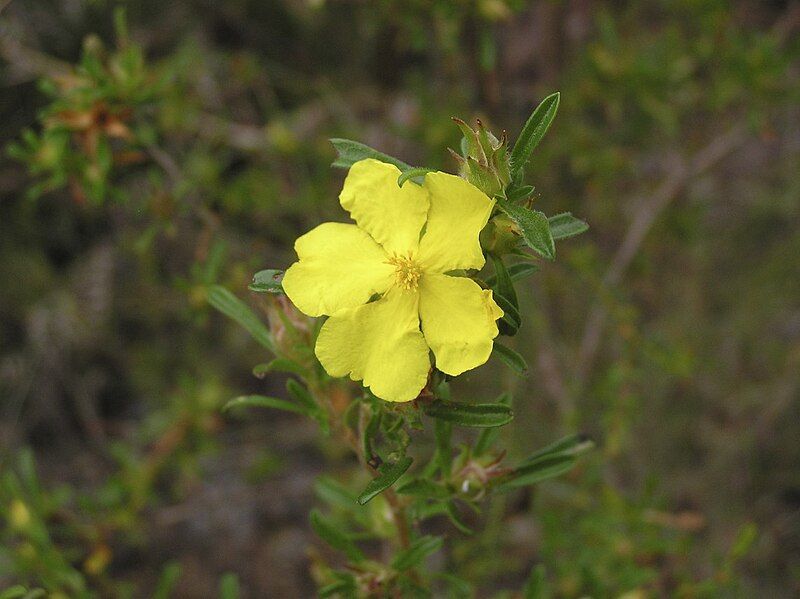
x=500 y=235
x=485 y=160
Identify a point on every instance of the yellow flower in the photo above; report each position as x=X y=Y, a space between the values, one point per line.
x=404 y=241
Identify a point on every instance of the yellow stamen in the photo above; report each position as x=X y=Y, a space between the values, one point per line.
x=407 y=271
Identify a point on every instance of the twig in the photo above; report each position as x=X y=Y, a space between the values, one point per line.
x=650 y=209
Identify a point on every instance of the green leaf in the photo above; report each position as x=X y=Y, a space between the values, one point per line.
x=542 y=469
x=387 y=476
x=534 y=226
x=488 y=436
x=278 y=365
x=517 y=272
x=521 y=270
x=510 y=315
x=262 y=401
x=345 y=587
x=301 y=394
x=424 y=487
x=504 y=285
x=335 y=537
x=232 y=307
x=575 y=444
x=443 y=431
x=477 y=415
x=455 y=518
x=510 y=358
x=416 y=552
x=334 y=493
x=563 y=226
x=517 y=194
x=371 y=430
x=303 y=397
x=533 y=131
x=267 y=281
x=416 y=174
x=351 y=152
x=548 y=462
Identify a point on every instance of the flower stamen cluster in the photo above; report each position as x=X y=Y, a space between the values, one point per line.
x=407 y=272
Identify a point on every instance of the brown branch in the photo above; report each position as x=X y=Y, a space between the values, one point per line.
x=682 y=172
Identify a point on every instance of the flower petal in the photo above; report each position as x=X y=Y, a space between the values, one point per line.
x=393 y=215
x=458 y=321
x=340 y=267
x=379 y=343
x=458 y=212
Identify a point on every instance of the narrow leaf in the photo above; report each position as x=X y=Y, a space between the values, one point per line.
x=548 y=462
x=504 y=286
x=278 y=365
x=416 y=552
x=232 y=307
x=563 y=226
x=488 y=436
x=510 y=358
x=574 y=445
x=351 y=152
x=415 y=174
x=371 y=430
x=262 y=401
x=303 y=397
x=534 y=226
x=477 y=415
x=517 y=194
x=425 y=487
x=510 y=315
x=517 y=272
x=533 y=131
x=443 y=431
x=542 y=469
x=267 y=281
x=387 y=475
x=341 y=588
x=334 y=537
x=455 y=518
x=334 y=493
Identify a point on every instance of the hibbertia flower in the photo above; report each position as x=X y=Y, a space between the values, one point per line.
x=403 y=249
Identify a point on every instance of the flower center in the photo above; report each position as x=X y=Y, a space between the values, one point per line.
x=407 y=271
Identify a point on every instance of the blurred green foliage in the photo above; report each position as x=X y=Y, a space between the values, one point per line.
x=151 y=159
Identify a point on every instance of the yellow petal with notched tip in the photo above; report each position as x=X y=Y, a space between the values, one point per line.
x=340 y=266
x=458 y=212
x=380 y=344
x=393 y=215
x=458 y=321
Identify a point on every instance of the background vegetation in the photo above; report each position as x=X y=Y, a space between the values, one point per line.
x=186 y=145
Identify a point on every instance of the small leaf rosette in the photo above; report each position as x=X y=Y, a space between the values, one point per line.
x=404 y=243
